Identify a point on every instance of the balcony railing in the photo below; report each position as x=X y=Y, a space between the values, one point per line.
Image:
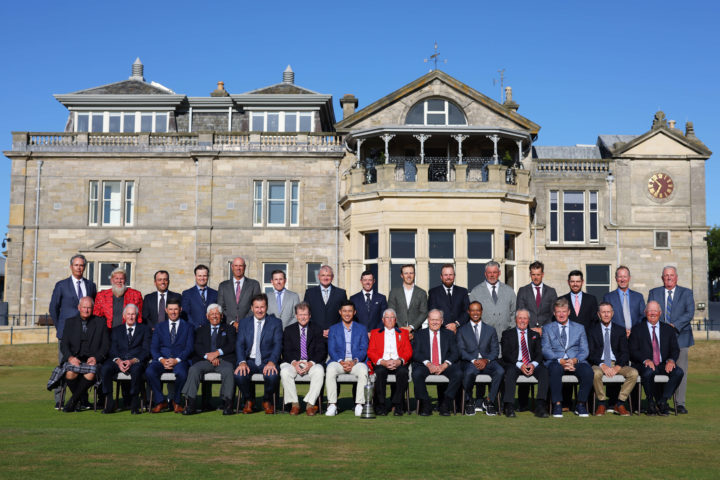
x=580 y=166
x=440 y=169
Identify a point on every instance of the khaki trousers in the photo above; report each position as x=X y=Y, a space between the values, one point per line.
x=288 y=374
x=334 y=369
x=630 y=374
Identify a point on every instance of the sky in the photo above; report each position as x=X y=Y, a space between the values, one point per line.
x=578 y=69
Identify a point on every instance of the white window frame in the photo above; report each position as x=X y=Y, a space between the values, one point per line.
x=96 y=203
x=445 y=111
x=402 y=260
x=137 y=115
x=93 y=271
x=308 y=266
x=511 y=263
x=282 y=120
x=440 y=260
x=290 y=203
x=587 y=217
x=655 y=240
x=481 y=261
x=267 y=286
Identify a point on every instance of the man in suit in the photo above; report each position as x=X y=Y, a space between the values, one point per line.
x=325 y=300
x=497 y=299
x=369 y=304
x=281 y=301
x=171 y=348
x=583 y=306
x=85 y=345
x=129 y=353
x=478 y=346
x=214 y=353
x=389 y=352
x=303 y=355
x=409 y=301
x=111 y=302
x=678 y=309
x=537 y=298
x=64 y=303
x=435 y=352
x=565 y=349
x=654 y=349
x=609 y=355
x=450 y=298
x=258 y=348
x=522 y=355
x=628 y=305
x=153 y=309
x=347 y=352
x=234 y=295
x=196 y=298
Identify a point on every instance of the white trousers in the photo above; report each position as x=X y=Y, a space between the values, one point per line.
x=334 y=369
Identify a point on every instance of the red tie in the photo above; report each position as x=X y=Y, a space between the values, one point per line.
x=538 y=298
x=523 y=348
x=435 y=350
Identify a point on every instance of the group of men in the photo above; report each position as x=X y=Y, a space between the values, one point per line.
x=237 y=332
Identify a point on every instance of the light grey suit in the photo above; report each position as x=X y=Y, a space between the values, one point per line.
x=235 y=311
x=500 y=315
x=413 y=316
x=289 y=300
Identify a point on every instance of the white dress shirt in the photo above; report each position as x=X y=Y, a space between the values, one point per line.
x=253 y=350
x=408 y=295
x=390 y=351
x=527 y=343
x=440 y=360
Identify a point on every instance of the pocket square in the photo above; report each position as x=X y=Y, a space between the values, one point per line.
x=224 y=333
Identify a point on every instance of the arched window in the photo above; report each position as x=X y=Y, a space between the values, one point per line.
x=435 y=111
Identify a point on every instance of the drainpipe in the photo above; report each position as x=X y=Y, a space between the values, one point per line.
x=337 y=215
x=197 y=204
x=37 y=228
x=610 y=179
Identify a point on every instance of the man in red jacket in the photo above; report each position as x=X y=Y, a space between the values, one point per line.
x=389 y=352
x=110 y=303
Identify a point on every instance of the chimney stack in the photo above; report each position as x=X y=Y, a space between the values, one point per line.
x=289 y=75
x=349 y=103
x=509 y=104
x=137 y=70
x=220 y=90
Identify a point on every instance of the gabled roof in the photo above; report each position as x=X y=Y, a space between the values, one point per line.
x=347 y=123
x=282 y=88
x=691 y=141
x=131 y=86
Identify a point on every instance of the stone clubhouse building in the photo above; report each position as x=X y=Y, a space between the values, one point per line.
x=435 y=172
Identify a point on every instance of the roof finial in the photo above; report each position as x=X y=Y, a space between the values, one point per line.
x=137 y=70
x=434 y=58
x=289 y=75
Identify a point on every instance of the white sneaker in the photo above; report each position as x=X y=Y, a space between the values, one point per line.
x=358 y=409
x=331 y=410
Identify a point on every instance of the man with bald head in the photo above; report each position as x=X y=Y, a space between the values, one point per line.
x=235 y=295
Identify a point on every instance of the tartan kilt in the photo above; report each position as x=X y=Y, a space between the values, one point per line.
x=58 y=373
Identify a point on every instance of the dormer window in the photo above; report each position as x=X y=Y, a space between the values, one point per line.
x=435 y=111
x=121 y=122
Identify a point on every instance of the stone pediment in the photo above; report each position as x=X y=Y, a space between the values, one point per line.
x=662 y=142
x=110 y=245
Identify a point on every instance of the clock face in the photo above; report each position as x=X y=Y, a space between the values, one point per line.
x=660 y=185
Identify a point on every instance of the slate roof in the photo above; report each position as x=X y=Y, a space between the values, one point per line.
x=578 y=152
x=126 y=87
x=282 y=89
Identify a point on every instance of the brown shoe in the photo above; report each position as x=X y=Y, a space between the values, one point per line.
x=295 y=410
x=622 y=411
x=269 y=409
x=248 y=407
x=177 y=408
x=159 y=407
x=600 y=411
x=311 y=410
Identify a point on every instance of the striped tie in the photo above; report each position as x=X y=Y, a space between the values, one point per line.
x=303 y=344
x=668 y=307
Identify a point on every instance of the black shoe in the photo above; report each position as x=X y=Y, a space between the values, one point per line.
x=682 y=409
x=651 y=409
x=541 y=409
x=135 y=406
x=190 y=407
x=523 y=407
x=469 y=407
x=70 y=406
x=510 y=410
x=228 y=407
x=398 y=412
x=663 y=409
x=109 y=406
x=444 y=407
x=85 y=405
x=490 y=408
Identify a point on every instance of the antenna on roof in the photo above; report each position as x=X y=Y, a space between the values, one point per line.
x=434 y=58
x=502 y=84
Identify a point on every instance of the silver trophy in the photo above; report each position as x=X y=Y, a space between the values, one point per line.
x=368 y=411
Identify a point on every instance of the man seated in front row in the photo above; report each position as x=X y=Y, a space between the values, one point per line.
x=172 y=345
x=609 y=355
x=258 y=348
x=390 y=352
x=654 y=349
x=565 y=348
x=129 y=353
x=347 y=349
x=435 y=353
x=303 y=355
x=214 y=352
x=85 y=345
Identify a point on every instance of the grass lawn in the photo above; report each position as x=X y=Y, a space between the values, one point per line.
x=38 y=442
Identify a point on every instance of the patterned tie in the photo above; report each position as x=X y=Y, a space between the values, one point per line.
x=435 y=359
x=213 y=339
x=84 y=327
x=577 y=305
x=563 y=337
x=367 y=302
x=161 y=308
x=326 y=295
x=523 y=348
x=668 y=307
x=626 y=310
x=202 y=295
x=173 y=332
x=130 y=335
x=278 y=299
x=258 y=355
x=477 y=333
x=607 y=353
x=656 y=348
x=494 y=294
x=538 y=297
x=80 y=295
x=237 y=292
x=303 y=344
x=449 y=292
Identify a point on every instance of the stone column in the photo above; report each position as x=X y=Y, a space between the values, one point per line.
x=386 y=138
x=519 y=145
x=358 y=153
x=495 y=139
x=422 y=137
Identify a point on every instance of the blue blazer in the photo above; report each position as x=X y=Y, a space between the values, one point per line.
x=488 y=346
x=324 y=315
x=64 y=302
x=373 y=318
x=184 y=341
x=139 y=348
x=358 y=342
x=554 y=350
x=270 y=340
x=683 y=310
x=193 y=308
x=637 y=307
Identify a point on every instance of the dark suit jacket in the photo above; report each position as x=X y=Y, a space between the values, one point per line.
x=526 y=299
x=150 y=306
x=233 y=310
x=139 y=348
x=641 y=343
x=270 y=340
x=64 y=302
x=194 y=310
x=422 y=350
x=97 y=337
x=226 y=340
x=373 y=318
x=588 y=310
x=455 y=312
x=325 y=315
x=637 y=307
x=316 y=350
x=487 y=346
x=184 y=341
x=682 y=313
x=413 y=316
x=511 y=347
x=618 y=344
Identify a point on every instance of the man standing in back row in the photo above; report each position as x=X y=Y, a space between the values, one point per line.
x=408 y=301
x=234 y=295
x=325 y=300
x=497 y=299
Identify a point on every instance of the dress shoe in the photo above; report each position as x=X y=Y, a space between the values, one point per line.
x=159 y=407
x=178 y=408
x=381 y=412
x=600 y=410
x=523 y=408
x=228 y=407
x=295 y=410
x=621 y=410
x=510 y=411
x=190 y=407
x=398 y=412
x=663 y=409
x=443 y=409
x=109 y=406
x=70 y=406
x=682 y=409
x=651 y=409
x=58 y=406
x=268 y=407
x=248 y=408
x=135 y=411
x=311 y=410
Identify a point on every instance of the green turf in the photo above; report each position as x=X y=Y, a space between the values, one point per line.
x=38 y=442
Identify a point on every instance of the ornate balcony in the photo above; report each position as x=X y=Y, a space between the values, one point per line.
x=439 y=169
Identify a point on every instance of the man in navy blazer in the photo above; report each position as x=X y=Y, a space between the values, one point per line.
x=565 y=348
x=64 y=302
x=369 y=304
x=129 y=353
x=654 y=350
x=325 y=311
x=452 y=299
x=153 y=307
x=583 y=305
x=628 y=305
x=678 y=308
x=258 y=348
x=196 y=298
x=171 y=348
x=479 y=350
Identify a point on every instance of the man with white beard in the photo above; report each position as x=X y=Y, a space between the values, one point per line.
x=110 y=303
